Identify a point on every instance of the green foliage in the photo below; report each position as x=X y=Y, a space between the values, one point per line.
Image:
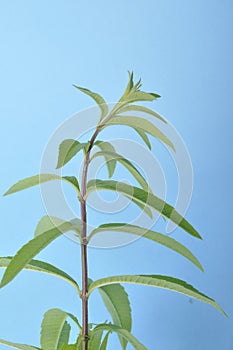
x=64 y=335
x=18 y=346
x=31 y=249
x=55 y=329
x=141 y=124
x=113 y=156
x=95 y=340
x=165 y=282
x=106 y=148
x=139 y=196
x=69 y=347
x=149 y=234
x=134 y=94
x=67 y=150
x=144 y=137
x=39 y=179
x=41 y=266
x=141 y=109
x=105 y=342
x=47 y=223
x=117 y=302
x=97 y=98
x=120 y=331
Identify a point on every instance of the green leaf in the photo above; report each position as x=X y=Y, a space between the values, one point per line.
x=18 y=346
x=116 y=301
x=78 y=344
x=138 y=195
x=129 y=86
x=51 y=329
x=144 y=136
x=165 y=282
x=105 y=342
x=64 y=335
x=95 y=340
x=132 y=92
x=69 y=347
x=41 y=266
x=98 y=99
x=47 y=223
x=143 y=206
x=55 y=330
x=111 y=163
x=67 y=150
x=122 y=332
x=39 y=179
x=143 y=124
x=149 y=234
x=136 y=96
x=127 y=164
x=91 y=186
x=73 y=181
x=30 y=249
x=141 y=109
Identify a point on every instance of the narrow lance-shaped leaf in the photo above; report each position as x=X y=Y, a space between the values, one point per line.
x=138 y=195
x=55 y=330
x=116 y=301
x=127 y=164
x=91 y=187
x=105 y=342
x=132 y=92
x=122 y=332
x=64 y=335
x=143 y=206
x=141 y=109
x=67 y=150
x=51 y=329
x=138 y=96
x=151 y=235
x=129 y=87
x=47 y=223
x=69 y=347
x=41 y=266
x=39 y=179
x=111 y=163
x=73 y=181
x=97 y=98
x=79 y=344
x=95 y=340
x=18 y=346
x=32 y=248
x=165 y=282
x=143 y=124
x=144 y=136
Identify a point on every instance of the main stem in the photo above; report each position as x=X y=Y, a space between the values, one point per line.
x=84 y=243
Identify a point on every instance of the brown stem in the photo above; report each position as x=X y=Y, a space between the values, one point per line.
x=84 y=280
x=84 y=243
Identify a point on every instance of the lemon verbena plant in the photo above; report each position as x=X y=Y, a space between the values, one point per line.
x=55 y=328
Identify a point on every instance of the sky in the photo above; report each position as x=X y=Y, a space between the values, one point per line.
x=181 y=50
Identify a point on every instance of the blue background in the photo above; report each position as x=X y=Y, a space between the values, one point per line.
x=182 y=50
